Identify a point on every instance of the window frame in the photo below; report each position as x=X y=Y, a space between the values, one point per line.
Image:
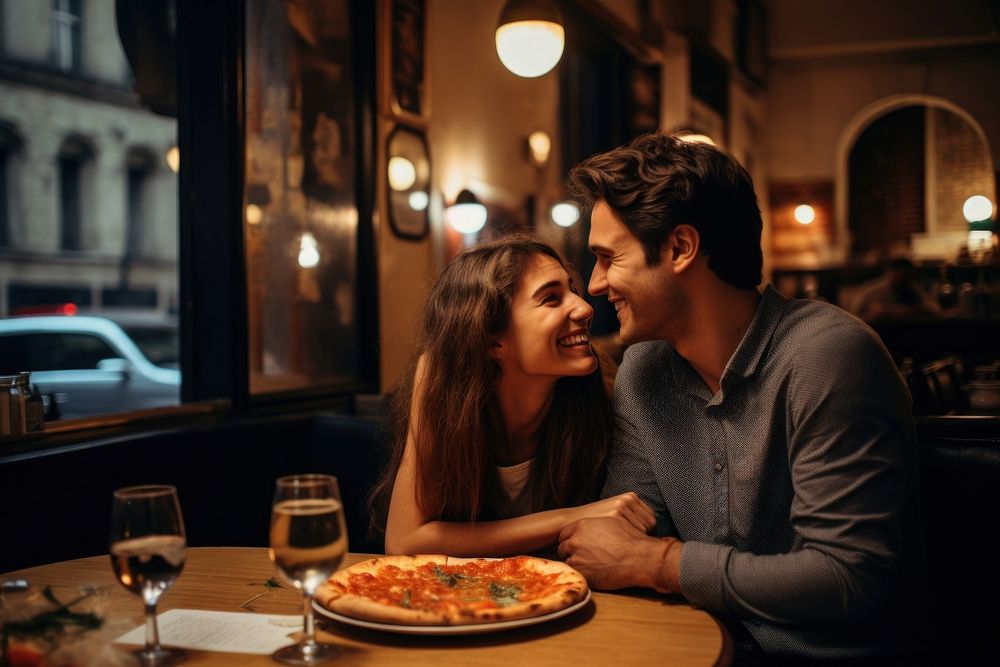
x=214 y=356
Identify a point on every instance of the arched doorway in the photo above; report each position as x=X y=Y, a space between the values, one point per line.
x=906 y=165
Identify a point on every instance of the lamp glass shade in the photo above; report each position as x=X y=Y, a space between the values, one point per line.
x=977 y=209
x=466 y=218
x=530 y=48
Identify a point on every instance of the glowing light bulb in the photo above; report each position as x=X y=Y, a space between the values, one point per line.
x=173 y=158
x=418 y=200
x=402 y=174
x=254 y=214
x=565 y=214
x=804 y=214
x=308 y=251
x=540 y=145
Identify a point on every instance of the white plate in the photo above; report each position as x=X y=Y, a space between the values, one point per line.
x=469 y=629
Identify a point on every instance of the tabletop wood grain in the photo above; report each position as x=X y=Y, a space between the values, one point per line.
x=629 y=628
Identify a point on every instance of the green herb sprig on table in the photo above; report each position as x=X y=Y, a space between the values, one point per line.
x=269 y=585
x=46 y=627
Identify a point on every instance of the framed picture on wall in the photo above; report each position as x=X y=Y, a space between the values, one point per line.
x=405 y=76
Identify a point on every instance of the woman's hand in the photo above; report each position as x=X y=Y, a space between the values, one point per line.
x=627 y=506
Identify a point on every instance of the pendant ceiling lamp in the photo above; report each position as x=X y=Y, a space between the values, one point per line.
x=530 y=37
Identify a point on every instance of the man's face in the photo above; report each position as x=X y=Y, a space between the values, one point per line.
x=644 y=297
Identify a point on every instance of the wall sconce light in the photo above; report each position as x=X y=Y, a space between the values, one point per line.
x=466 y=215
x=565 y=214
x=308 y=251
x=530 y=37
x=804 y=214
x=978 y=212
x=173 y=158
x=539 y=146
x=977 y=208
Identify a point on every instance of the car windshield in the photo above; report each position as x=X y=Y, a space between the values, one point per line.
x=158 y=344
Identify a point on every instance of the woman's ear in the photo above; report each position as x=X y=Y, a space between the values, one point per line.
x=682 y=247
x=497 y=348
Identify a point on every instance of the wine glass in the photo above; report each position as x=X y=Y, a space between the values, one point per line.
x=147 y=553
x=308 y=541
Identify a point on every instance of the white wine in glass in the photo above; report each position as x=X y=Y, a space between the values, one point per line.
x=308 y=542
x=148 y=546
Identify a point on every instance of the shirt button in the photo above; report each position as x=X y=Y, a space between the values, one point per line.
x=718 y=467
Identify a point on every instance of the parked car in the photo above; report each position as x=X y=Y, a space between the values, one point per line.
x=89 y=365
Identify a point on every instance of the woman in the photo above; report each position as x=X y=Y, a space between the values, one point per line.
x=503 y=416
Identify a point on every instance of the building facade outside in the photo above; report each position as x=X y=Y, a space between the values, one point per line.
x=88 y=201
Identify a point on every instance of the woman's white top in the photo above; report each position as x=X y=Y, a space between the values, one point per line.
x=514 y=480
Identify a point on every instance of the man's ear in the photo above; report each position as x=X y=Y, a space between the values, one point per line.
x=682 y=247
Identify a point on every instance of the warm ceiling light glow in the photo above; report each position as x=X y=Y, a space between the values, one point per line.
x=697 y=139
x=530 y=37
x=173 y=158
x=805 y=214
x=466 y=215
x=254 y=214
x=977 y=208
x=565 y=214
x=402 y=174
x=419 y=200
x=308 y=251
x=540 y=145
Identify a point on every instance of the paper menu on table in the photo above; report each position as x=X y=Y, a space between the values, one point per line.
x=222 y=631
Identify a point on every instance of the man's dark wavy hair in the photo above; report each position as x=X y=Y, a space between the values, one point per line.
x=657 y=182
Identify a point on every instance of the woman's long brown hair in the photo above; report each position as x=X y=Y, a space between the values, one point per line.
x=459 y=420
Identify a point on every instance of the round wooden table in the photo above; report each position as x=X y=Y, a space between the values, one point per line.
x=630 y=628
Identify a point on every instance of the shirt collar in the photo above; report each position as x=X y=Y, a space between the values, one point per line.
x=757 y=338
x=748 y=354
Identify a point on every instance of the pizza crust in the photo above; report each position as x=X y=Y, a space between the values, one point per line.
x=567 y=588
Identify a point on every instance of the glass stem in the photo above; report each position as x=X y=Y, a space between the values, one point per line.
x=152 y=632
x=308 y=627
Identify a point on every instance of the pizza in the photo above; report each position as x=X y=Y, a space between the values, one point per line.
x=440 y=590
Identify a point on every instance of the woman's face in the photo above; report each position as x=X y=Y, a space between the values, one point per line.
x=548 y=333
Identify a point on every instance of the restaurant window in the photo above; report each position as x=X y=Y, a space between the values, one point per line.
x=91 y=207
x=312 y=257
x=65 y=20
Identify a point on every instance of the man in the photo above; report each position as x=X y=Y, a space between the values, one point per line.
x=772 y=438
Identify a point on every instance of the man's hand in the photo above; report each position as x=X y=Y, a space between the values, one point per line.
x=611 y=553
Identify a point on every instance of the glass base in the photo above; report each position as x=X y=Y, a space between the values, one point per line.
x=155 y=657
x=306 y=654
